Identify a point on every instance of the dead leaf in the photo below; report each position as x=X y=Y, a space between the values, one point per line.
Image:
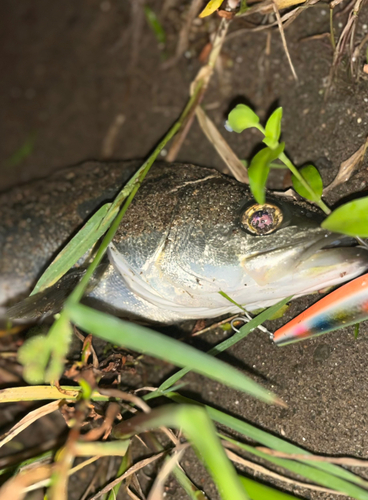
x=15 y=488
x=284 y=4
x=348 y=167
x=31 y=417
x=224 y=150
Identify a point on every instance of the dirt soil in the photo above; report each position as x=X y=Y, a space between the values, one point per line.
x=73 y=74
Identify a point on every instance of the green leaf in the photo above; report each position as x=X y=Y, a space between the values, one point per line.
x=273 y=129
x=258 y=491
x=259 y=169
x=225 y=295
x=155 y=25
x=201 y=432
x=350 y=219
x=243 y=7
x=43 y=357
x=311 y=175
x=242 y=117
x=94 y=228
x=149 y=342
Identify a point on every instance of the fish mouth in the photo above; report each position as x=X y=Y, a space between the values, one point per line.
x=334 y=264
x=319 y=260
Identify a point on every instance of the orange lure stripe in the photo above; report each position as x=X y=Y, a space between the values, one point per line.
x=345 y=306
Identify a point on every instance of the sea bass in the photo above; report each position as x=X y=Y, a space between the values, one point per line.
x=189 y=234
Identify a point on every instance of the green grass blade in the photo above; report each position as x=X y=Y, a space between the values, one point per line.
x=23 y=152
x=147 y=341
x=350 y=219
x=94 y=228
x=258 y=491
x=243 y=332
x=313 y=178
x=190 y=489
x=309 y=472
x=200 y=431
x=155 y=25
x=269 y=440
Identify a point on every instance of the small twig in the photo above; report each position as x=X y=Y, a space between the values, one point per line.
x=204 y=75
x=215 y=325
x=346 y=34
x=182 y=44
x=126 y=396
x=104 y=429
x=332 y=30
x=93 y=480
x=180 y=137
x=352 y=462
x=109 y=140
x=29 y=419
x=135 y=468
x=281 y=28
x=157 y=489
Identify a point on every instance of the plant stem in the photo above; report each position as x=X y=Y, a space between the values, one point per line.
x=332 y=31
x=285 y=160
x=297 y=174
x=79 y=290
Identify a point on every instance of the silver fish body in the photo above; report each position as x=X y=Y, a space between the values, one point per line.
x=190 y=234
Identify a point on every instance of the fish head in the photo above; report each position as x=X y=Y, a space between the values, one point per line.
x=218 y=239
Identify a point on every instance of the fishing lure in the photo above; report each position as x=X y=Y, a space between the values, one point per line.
x=345 y=306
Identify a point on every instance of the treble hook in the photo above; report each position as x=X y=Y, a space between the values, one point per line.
x=245 y=319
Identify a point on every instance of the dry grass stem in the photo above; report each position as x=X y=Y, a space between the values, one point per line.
x=105 y=429
x=215 y=325
x=157 y=490
x=183 y=41
x=126 y=396
x=222 y=147
x=93 y=480
x=352 y=462
x=204 y=76
x=266 y=8
x=29 y=419
x=346 y=38
x=355 y=58
x=46 y=482
x=15 y=488
x=279 y=22
x=109 y=141
x=132 y=470
x=262 y=470
x=169 y=433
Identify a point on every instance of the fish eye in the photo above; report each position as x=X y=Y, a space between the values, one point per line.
x=262 y=219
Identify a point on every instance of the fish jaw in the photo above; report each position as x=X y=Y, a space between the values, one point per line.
x=325 y=268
